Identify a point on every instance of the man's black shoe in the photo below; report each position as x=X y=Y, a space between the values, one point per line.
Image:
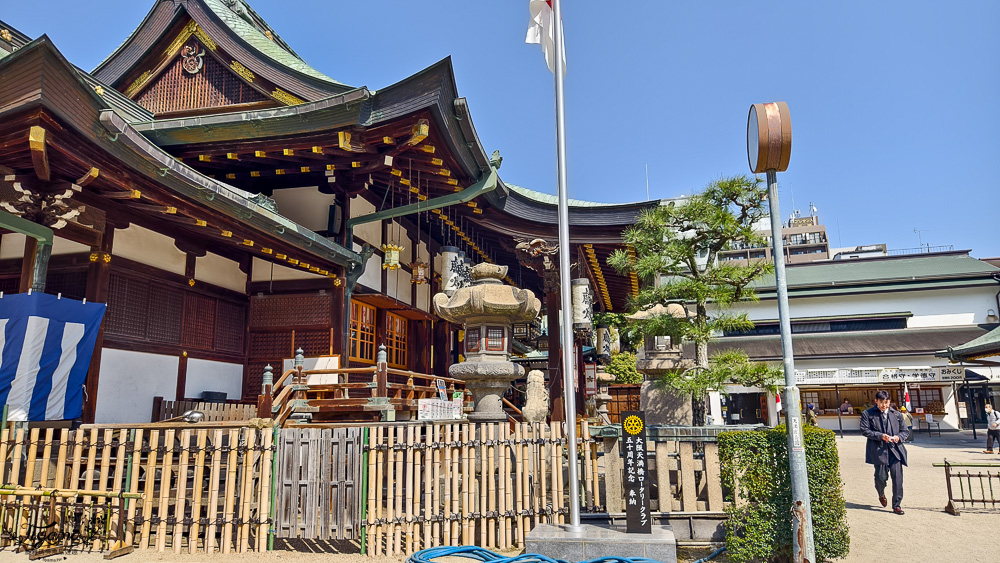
x=883 y=500
x=898 y=510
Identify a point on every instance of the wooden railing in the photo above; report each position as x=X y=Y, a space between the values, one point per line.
x=367 y=393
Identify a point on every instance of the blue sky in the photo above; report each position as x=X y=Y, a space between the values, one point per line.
x=894 y=104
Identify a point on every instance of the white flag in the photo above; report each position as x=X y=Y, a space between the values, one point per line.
x=542 y=31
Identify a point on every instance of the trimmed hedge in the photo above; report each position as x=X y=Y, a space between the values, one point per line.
x=759 y=528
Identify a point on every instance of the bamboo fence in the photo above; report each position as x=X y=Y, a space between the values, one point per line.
x=203 y=490
x=446 y=484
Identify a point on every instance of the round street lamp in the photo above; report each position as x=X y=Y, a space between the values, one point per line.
x=769 y=147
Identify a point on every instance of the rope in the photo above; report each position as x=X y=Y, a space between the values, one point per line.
x=480 y=554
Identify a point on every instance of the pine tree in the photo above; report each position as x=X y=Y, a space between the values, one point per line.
x=676 y=248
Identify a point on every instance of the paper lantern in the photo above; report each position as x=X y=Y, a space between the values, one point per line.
x=583 y=304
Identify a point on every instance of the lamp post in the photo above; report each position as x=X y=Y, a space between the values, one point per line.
x=769 y=147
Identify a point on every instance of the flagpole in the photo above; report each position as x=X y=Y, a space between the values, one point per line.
x=566 y=298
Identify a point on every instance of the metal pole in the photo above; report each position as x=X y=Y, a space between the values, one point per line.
x=793 y=416
x=566 y=331
x=840 y=420
x=968 y=406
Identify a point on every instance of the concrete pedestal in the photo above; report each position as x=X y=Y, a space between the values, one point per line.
x=601 y=541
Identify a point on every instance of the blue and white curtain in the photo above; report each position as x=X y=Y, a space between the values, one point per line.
x=46 y=344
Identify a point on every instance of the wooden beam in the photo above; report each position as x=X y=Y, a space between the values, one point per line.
x=87 y=178
x=39 y=153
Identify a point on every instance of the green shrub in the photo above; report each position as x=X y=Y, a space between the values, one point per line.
x=755 y=467
x=622 y=366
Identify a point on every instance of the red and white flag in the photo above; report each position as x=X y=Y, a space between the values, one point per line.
x=777 y=401
x=542 y=31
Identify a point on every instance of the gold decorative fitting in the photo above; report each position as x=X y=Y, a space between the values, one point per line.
x=288 y=152
x=304 y=169
x=428 y=149
x=317 y=150
x=304 y=265
x=421 y=197
x=414 y=189
x=190 y=29
x=404 y=181
x=293 y=261
x=388 y=140
x=437 y=161
x=170 y=210
x=314 y=269
x=93 y=255
x=99 y=90
x=138 y=82
x=266 y=250
x=254 y=174
x=227 y=234
x=135 y=194
x=5 y=33
x=281 y=256
x=201 y=223
x=280 y=172
x=269 y=35
x=444 y=172
x=336 y=281
x=355 y=164
x=247 y=242
x=259 y=154
x=285 y=97
x=452 y=181
x=230 y=176
x=395 y=172
x=242 y=71
x=191 y=282
x=331 y=166
x=205 y=157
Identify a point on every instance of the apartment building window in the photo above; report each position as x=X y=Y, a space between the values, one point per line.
x=362 y=332
x=395 y=345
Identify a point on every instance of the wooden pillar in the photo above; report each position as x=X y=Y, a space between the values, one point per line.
x=28 y=264
x=419 y=346
x=555 y=378
x=442 y=347
x=98 y=283
x=338 y=309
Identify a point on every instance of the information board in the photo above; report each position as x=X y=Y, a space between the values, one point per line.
x=636 y=473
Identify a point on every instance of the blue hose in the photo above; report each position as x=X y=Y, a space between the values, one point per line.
x=480 y=554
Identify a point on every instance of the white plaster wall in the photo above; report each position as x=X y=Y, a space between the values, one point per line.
x=306 y=206
x=424 y=297
x=368 y=232
x=372 y=278
x=66 y=246
x=207 y=375
x=262 y=272
x=397 y=234
x=220 y=271
x=150 y=248
x=941 y=307
x=398 y=283
x=11 y=246
x=129 y=381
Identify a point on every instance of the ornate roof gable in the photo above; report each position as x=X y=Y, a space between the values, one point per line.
x=240 y=59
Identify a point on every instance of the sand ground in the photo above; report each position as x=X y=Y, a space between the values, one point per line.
x=925 y=532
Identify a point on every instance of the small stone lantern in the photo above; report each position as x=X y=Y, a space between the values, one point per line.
x=487 y=308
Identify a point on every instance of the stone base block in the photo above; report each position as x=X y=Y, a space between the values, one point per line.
x=557 y=542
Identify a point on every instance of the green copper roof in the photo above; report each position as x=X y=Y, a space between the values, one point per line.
x=881 y=270
x=256 y=38
x=984 y=346
x=553 y=200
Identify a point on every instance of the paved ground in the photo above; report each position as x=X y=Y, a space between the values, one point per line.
x=925 y=532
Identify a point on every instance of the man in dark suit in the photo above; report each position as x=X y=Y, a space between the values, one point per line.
x=884 y=428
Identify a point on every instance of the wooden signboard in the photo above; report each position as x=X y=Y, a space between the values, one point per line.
x=637 y=482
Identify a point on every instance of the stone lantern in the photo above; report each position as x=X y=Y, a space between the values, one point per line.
x=487 y=308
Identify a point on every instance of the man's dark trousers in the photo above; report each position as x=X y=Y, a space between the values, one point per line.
x=882 y=474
